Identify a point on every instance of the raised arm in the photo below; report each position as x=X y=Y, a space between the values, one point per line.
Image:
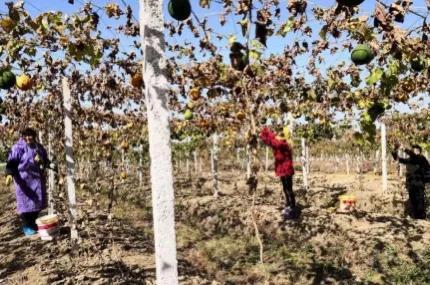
x=410 y=160
x=268 y=137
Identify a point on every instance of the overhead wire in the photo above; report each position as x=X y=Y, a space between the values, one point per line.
x=103 y=21
x=34 y=6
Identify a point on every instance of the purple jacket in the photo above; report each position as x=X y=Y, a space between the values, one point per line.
x=26 y=165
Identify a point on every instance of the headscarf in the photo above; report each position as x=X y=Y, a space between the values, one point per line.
x=285 y=135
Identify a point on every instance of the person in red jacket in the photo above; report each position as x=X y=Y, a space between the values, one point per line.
x=284 y=169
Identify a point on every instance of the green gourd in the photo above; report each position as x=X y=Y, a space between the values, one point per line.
x=7 y=79
x=362 y=54
x=350 y=3
x=179 y=9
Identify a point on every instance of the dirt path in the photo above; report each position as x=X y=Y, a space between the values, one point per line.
x=216 y=241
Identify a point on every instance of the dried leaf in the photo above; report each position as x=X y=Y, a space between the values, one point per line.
x=382 y=18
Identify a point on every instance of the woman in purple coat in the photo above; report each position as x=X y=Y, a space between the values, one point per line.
x=26 y=166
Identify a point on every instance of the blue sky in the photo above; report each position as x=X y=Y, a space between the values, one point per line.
x=275 y=45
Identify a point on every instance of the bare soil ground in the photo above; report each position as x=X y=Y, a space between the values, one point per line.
x=377 y=244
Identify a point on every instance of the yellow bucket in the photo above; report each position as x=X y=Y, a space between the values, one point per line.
x=347 y=202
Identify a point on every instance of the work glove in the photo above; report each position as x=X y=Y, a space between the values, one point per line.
x=9 y=179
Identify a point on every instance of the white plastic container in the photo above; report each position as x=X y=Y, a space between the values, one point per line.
x=48 y=227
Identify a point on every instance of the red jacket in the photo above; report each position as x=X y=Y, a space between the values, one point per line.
x=281 y=151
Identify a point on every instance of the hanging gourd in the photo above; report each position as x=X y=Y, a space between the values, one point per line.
x=418 y=64
x=350 y=3
x=188 y=115
x=137 y=80
x=238 y=56
x=24 y=82
x=240 y=115
x=194 y=94
x=7 y=79
x=362 y=54
x=179 y=9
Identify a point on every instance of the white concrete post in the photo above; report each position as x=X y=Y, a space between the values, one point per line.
x=160 y=151
x=248 y=161
x=70 y=163
x=384 y=158
x=51 y=177
x=304 y=164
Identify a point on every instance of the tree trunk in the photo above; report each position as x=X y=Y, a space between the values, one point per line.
x=70 y=163
x=384 y=158
x=160 y=152
x=267 y=159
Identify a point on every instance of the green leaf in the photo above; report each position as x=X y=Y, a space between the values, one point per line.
x=254 y=54
x=286 y=28
x=375 y=76
x=256 y=49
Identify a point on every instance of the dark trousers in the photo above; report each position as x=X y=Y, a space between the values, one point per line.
x=417 y=202
x=29 y=219
x=287 y=184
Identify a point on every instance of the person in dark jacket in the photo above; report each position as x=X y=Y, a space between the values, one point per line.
x=416 y=168
x=284 y=169
x=26 y=166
